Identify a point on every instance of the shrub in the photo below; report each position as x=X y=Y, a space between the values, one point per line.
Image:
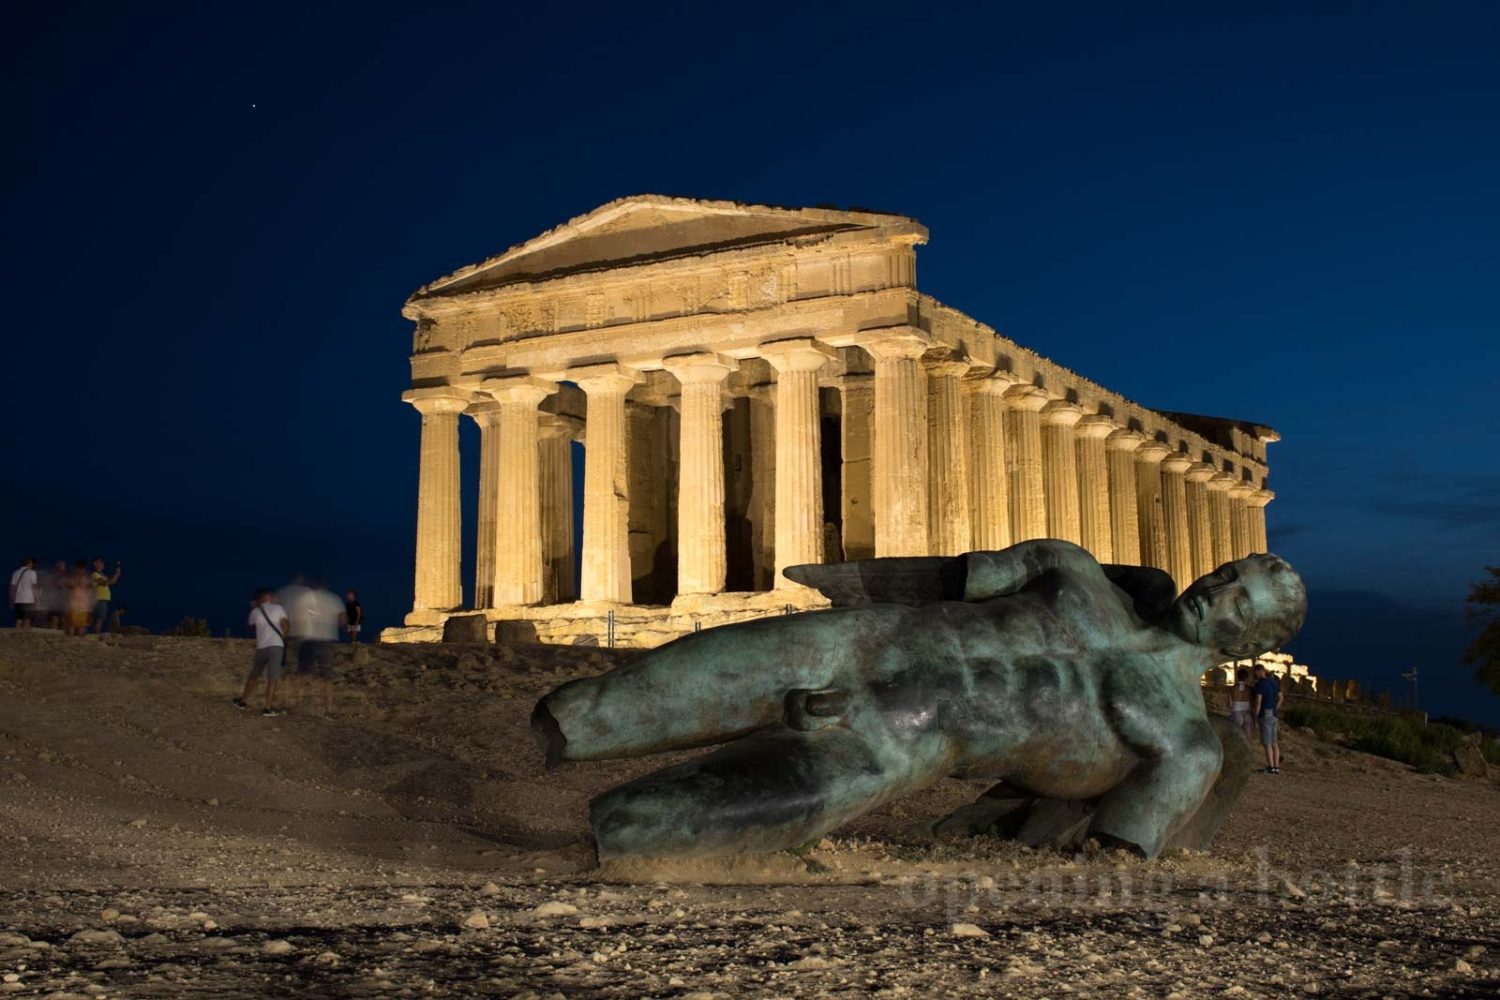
x=1491 y=751
x=192 y=627
x=1426 y=748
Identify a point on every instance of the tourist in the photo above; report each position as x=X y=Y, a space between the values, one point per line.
x=102 y=594
x=23 y=592
x=354 y=615
x=80 y=599
x=318 y=620
x=1240 y=702
x=269 y=621
x=52 y=595
x=291 y=597
x=1267 y=713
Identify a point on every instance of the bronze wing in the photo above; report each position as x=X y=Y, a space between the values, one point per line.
x=1151 y=589
x=910 y=580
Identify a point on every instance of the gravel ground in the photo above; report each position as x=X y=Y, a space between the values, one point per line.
x=154 y=842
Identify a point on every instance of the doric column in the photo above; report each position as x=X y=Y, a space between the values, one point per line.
x=606 y=484
x=556 y=462
x=899 y=472
x=1060 y=469
x=949 y=528
x=1124 y=522
x=439 y=531
x=1220 y=510
x=1023 y=438
x=652 y=458
x=989 y=481
x=487 y=415
x=856 y=413
x=1174 y=516
x=518 y=519
x=1149 y=507
x=1094 y=526
x=762 y=506
x=1239 y=519
x=1200 y=520
x=701 y=555
x=799 y=468
x=1255 y=513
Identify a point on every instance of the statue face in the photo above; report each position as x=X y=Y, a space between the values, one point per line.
x=1234 y=607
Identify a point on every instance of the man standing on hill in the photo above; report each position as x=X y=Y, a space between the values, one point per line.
x=102 y=593
x=354 y=615
x=1267 y=714
x=23 y=592
x=269 y=621
x=318 y=620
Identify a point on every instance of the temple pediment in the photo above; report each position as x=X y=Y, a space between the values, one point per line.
x=643 y=228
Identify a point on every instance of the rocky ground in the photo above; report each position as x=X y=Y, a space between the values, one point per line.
x=154 y=841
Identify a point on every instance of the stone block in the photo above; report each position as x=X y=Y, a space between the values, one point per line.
x=466 y=628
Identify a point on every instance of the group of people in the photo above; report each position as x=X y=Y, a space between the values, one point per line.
x=67 y=598
x=298 y=627
x=1256 y=705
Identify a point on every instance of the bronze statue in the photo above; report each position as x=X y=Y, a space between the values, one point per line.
x=1035 y=666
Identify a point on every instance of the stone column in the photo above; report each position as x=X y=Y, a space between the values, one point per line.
x=989 y=479
x=899 y=471
x=950 y=531
x=1239 y=519
x=439 y=531
x=1023 y=438
x=762 y=508
x=487 y=415
x=1124 y=521
x=1256 y=514
x=799 y=470
x=606 y=485
x=1200 y=520
x=1174 y=516
x=559 y=584
x=857 y=404
x=518 y=519
x=1060 y=470
x=1220 y=509
x=701 y=554
x=1095 y=528
x=1150 y=509
x=652 y=458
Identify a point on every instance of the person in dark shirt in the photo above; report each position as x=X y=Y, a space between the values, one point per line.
x=1267 y=710
x=354 y=614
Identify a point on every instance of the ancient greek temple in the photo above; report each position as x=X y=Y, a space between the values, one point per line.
x=755 y=387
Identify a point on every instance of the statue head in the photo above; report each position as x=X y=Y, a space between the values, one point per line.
x=1243 y=608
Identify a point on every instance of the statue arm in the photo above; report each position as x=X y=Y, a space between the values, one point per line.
x=996 y=574
x=1180 y=757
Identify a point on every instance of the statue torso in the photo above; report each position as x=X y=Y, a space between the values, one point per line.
x=1029 y=687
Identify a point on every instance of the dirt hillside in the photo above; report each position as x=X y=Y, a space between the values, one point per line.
x=158 y=842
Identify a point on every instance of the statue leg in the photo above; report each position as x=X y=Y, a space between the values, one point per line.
x=1163 y=792
x=699 y=690
x=766 y=792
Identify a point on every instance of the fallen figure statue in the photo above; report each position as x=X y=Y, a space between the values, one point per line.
x=1073 y=685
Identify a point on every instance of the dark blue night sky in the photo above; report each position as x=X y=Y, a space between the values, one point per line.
x=212 y=214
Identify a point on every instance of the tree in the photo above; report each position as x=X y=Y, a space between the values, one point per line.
x=1484 y=611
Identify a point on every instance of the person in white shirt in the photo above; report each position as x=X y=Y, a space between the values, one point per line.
x=318 y=620
x=23 y=592
x=269 y=621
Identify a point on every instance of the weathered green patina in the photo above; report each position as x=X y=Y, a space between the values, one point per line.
x=1036 y=666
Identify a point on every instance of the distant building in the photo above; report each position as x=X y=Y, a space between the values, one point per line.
x=757 y=387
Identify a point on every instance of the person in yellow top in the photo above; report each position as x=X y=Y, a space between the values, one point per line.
x=102 y=593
